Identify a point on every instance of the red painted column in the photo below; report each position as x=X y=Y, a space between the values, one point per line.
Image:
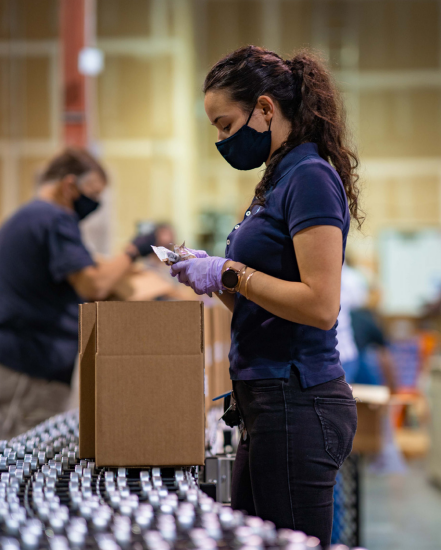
x=72 y=36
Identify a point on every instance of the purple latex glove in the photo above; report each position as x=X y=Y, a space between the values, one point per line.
x=198 y=253
x=202 y=274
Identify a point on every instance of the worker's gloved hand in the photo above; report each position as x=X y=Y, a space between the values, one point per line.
x=198 y=253
x=203 y=275
x=144 y=243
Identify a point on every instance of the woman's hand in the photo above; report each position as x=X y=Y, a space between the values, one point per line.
x=203 y=275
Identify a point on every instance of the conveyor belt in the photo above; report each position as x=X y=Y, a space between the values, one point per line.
x=52 y=500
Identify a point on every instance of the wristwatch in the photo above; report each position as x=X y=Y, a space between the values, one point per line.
x=231 y=279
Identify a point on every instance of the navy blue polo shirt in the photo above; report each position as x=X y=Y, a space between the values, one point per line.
x=307 y=191
x=40 y=245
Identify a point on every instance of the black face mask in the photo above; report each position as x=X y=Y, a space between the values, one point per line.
x=84 y=206
x=247 y=148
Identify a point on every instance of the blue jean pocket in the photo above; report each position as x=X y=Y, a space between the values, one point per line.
x=338 y=418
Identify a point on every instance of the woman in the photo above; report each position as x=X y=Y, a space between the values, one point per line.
x=282 y=275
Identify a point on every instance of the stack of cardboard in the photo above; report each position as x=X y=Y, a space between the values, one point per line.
x=142 y=383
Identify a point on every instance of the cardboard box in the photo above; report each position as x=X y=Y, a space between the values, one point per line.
x=149 y=383
x=372 y=407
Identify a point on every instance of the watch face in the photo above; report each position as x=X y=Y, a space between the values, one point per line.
x=230 y=278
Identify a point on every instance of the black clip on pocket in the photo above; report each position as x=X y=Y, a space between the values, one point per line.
x=231 y=415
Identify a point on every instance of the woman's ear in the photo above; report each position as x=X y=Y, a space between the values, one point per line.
x=266 y=104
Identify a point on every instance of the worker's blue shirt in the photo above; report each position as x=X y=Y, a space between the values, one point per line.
x=40 y=246
x=306 y=192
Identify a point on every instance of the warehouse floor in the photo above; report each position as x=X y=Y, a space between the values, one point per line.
x=401 y=512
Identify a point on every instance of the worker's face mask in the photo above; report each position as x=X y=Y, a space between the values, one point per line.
x=84 y=206
x=247 y=148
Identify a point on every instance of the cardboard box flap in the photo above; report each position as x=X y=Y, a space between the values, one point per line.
x=149 y=328
x=87 y=348
x=86 y=325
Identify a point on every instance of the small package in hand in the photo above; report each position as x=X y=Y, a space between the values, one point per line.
x=169 y=257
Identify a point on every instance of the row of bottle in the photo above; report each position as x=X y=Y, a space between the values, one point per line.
x=52 y=500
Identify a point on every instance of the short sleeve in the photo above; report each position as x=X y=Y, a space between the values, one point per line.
x=314 y=196
x=67 y=253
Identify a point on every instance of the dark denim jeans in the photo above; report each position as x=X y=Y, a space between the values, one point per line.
x=296 y=440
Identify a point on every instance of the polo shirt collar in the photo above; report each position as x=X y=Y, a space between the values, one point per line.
x=292 y=158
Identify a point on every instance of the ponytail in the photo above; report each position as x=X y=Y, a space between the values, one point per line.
x=308 y=98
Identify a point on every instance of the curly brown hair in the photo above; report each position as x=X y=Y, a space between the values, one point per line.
x=308 y=98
